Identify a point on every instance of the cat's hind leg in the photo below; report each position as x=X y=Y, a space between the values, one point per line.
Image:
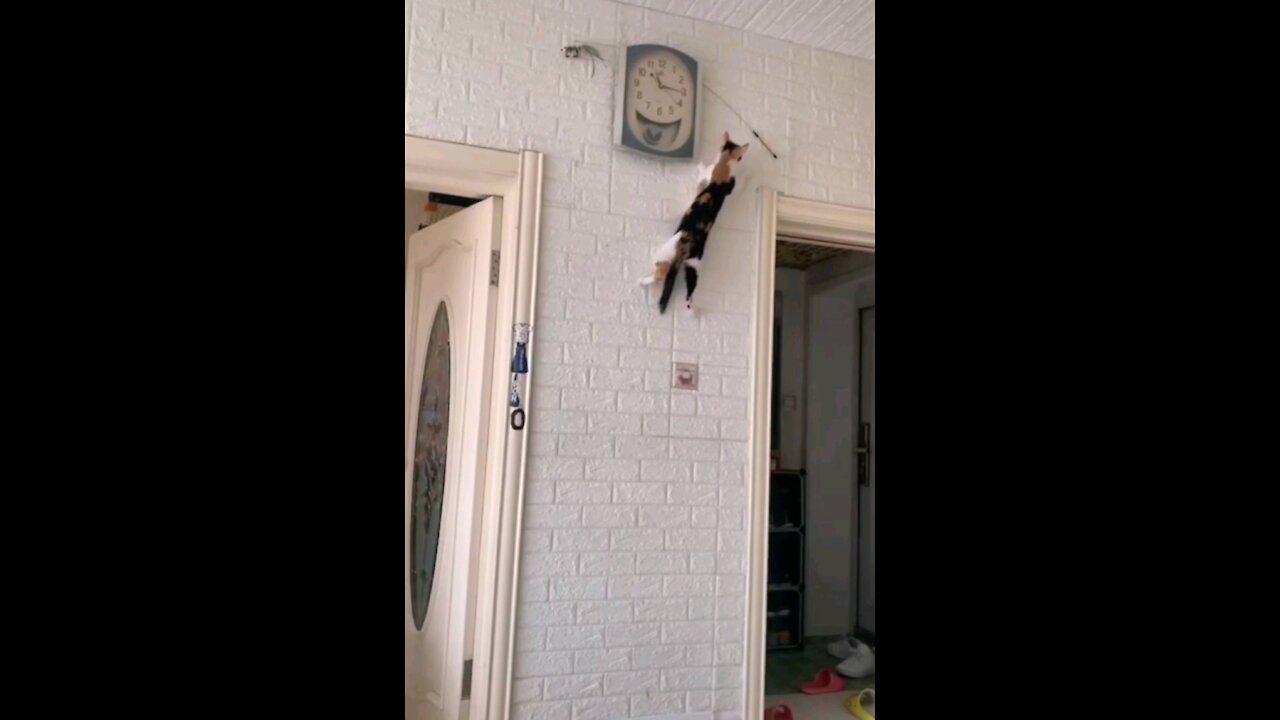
x=662 y=260
x=660 y=271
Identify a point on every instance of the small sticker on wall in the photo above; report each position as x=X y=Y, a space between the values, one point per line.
x=685 y=376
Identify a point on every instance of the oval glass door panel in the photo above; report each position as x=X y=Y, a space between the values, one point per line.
x=429 y=457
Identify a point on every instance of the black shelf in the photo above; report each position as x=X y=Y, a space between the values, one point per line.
x=785 y=596
x=784 y=626
x=787 y=500
x=786 y=558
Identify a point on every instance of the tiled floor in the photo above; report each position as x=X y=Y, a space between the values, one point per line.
x=786 y=670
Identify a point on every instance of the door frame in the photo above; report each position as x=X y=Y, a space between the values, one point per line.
x=516 y=177
x=860 y=632
x=818 y=223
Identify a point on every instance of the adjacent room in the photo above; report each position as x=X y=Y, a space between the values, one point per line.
x=820 y=634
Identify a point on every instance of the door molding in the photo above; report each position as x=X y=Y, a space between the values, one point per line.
x=516 y=177
x=858 y=630
x=821 y=224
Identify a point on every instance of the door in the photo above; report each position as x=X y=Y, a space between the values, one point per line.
x=867 y=490
x=449 y=310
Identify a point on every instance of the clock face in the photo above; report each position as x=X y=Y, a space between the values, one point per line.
x=661 y=92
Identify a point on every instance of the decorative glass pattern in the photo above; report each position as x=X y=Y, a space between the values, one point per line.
x=429 y=456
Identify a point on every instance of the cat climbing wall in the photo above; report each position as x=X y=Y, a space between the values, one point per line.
x=685 y=250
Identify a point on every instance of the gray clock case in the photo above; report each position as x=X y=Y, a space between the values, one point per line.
x=622 y=134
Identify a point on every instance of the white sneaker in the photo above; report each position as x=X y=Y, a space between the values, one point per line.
x=860 y=663
x=840 y=648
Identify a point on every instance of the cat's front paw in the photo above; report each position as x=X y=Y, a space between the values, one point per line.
x=646 y=280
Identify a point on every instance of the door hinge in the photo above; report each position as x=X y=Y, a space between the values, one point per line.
x=466 y=680
x=494 y=261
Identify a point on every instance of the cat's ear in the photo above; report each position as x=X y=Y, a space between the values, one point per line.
x=726 y=138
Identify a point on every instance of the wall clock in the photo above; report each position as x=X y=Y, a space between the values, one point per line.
x=659 y=97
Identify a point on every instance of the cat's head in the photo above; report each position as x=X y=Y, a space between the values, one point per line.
x=732 y=152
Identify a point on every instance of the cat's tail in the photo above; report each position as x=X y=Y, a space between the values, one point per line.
x=669 y=286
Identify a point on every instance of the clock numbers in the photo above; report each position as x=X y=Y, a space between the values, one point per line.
x=658 y=120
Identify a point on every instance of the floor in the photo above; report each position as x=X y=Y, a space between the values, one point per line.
x=786 y=670
x=814 y=707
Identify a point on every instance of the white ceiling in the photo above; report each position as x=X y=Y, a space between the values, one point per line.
x=843 y=26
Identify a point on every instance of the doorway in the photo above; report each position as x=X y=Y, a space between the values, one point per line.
x=450 y=315
x=819 y=578
x=469 y=270
x=811 y=590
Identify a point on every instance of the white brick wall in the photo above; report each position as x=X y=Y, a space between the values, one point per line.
x=632 y=591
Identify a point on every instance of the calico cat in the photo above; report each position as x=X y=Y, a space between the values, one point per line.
x=686 y=247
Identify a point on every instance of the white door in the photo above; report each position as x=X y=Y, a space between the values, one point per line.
x=867 y=492
x=449 y=309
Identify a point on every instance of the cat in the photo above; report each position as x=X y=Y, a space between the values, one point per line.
x=685 y=249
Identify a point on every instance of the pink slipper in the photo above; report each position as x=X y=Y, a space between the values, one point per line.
x=825 y=682
x=779 y=712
